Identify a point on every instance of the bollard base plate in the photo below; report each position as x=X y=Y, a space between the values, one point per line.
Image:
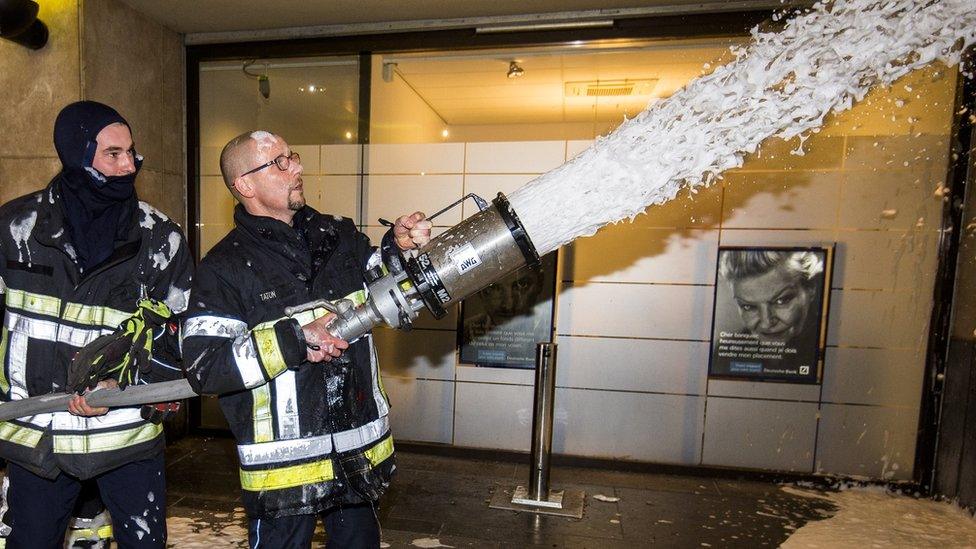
x=562 y=503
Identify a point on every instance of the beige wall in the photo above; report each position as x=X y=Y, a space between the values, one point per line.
x=100 y=50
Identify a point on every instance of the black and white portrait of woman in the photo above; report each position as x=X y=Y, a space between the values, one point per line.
x=768 y=311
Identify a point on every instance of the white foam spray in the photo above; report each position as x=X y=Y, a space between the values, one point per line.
x=21 y=230
x=782 y=84
x=264 y=141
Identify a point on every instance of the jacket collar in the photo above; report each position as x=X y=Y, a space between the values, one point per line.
x=313 y=238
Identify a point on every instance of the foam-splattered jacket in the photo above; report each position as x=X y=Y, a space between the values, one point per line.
x=50 y=311
x=310 y=435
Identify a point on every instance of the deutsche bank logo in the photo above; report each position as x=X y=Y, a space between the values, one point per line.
x=804 y=370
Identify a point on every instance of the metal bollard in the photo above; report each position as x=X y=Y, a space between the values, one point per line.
x=537 y=497
x=545 y=388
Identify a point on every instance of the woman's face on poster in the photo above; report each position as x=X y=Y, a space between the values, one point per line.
x=774 y=305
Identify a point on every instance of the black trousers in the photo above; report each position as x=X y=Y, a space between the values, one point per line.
x=350 y=527
x=135 y=495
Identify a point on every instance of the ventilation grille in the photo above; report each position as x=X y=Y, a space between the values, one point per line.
x=610 y=88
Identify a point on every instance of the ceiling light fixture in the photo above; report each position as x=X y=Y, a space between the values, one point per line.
x=19 y=23
x=264 y=83
x=514 y=70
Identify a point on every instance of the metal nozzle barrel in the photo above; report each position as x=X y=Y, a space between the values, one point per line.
x=471 y=255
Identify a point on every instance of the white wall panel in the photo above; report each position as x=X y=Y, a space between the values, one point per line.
x=488 y=187
x=650 y=365
x=333 y=194
x=883 y=377
x=514 y=156
x=420 y=410
x=886 y=260
x=310 y=157
x=634 y=253
x=416 y=158
x=760 y=434
x=417 y=353
x=786 y=200
x=636 y=310
x=574 y=147
x=641 y=427
x=878 y=319
x=753 y=237
x=340 y=159
x=890 y=199
x=389 y=196
x=763 y=390
x=867 y=441
x=493 y=416
x=701 y=209
x=510 y=376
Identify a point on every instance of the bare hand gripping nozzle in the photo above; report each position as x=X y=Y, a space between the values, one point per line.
x=464 y=259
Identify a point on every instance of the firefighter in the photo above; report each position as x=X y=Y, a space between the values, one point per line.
x=308 y=410
x=81 y=259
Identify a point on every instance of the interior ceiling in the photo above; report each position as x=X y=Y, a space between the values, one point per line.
x=200 y=16
x=475 y=89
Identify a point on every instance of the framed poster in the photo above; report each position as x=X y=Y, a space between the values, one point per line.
x=501 y=324
x=770 y=313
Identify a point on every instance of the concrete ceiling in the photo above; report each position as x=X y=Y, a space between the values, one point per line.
x=214 y=16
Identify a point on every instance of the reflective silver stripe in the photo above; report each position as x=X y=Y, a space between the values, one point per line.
x=246 y=358
x=367 y=434
x=245 y=354
x=213 y=326
x=40 y=420
x=286 y=405
x=17 y=360
x=281 y=451
x=64 y=421
x=382 y=406
x=47 y=330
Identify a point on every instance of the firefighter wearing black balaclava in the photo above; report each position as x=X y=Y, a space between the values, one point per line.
x=80 y=259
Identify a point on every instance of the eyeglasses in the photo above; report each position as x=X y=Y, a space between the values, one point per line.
x=282 y=161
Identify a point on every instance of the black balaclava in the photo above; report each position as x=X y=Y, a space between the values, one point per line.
x=97 y=208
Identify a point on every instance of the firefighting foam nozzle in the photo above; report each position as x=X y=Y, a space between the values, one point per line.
x=467 y=257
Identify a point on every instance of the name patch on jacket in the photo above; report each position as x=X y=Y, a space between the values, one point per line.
x=268 y=296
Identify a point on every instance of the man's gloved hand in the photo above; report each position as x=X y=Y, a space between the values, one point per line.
x=124 y=354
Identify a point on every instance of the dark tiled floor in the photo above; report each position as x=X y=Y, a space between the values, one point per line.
x=447 y=498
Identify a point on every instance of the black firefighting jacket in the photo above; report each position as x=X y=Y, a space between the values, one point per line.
x=50 y=311
x=310 y=435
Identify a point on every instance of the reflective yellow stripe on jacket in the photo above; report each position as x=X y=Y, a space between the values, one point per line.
x=4 y=343
x=104 y=442
x=307 y=473
x=273 y=364
x=19 y=434
x=34 y=303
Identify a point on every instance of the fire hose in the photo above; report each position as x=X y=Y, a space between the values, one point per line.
x=464 y=259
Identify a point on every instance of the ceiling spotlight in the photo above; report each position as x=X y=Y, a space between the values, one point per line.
x=514 y=70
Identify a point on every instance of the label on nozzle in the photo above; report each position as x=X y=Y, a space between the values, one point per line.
x=465 y=258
